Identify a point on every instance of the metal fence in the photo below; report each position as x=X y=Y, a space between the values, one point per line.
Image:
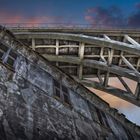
x=65 y=25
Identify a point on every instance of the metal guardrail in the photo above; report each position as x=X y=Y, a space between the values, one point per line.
x=64 y=25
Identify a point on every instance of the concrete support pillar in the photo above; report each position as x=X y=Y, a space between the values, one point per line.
x=110 y=56
x=106 y=79
x=81 y=55
x=137 y=92
x=120 y=60
x=57 y=50
x=138 y=63
x=57 y=47
x=33 y=43
x=109 y=62
x=80 y=74
x=101 y=55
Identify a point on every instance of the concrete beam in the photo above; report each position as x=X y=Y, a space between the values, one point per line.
x=106 y=37
x=95 y=64
x=45 y=46
x=86 y=39
x=113 y=91
x=129 y=64
x=93 y=31
x=54 y=46
x=124 y=84
x=132 y=41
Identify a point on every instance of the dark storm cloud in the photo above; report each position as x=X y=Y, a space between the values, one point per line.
x=137 y=5
x=134 y=18
x=112 y=17
x=106 y=17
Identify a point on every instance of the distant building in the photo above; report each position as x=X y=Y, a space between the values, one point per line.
x=38 y=101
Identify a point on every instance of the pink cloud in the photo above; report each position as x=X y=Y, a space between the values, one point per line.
x=12 y=19
x=92 y=10
x=89 y=18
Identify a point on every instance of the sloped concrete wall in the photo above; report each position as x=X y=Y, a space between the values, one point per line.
x=30 y=111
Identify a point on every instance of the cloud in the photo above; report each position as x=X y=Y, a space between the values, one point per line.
x=134 y=18
x=15 y=19
x=12 y=19
x=137 y=5
x=112 y=17
x=105 y=17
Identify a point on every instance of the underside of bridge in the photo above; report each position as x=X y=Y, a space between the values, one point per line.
x=91 y=54
x=40 y=101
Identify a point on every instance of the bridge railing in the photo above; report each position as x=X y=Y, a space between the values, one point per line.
x=65 y=25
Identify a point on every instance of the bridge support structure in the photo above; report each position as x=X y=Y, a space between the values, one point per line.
x=84 y=57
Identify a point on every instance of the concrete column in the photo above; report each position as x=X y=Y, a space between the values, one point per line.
x=81 y=50
x=57 y=47
x=33 y=43
x=138 y=63
x=137 y=92
x=109 y=62
x=120 y=60
x=81 y=55
x=57 y=50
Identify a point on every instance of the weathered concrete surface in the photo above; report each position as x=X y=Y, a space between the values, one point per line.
x=83 y=38
x=29 y=110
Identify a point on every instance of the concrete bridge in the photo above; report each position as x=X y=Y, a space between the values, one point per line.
x=91 y=53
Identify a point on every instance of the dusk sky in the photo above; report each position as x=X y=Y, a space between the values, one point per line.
x=93 y=12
